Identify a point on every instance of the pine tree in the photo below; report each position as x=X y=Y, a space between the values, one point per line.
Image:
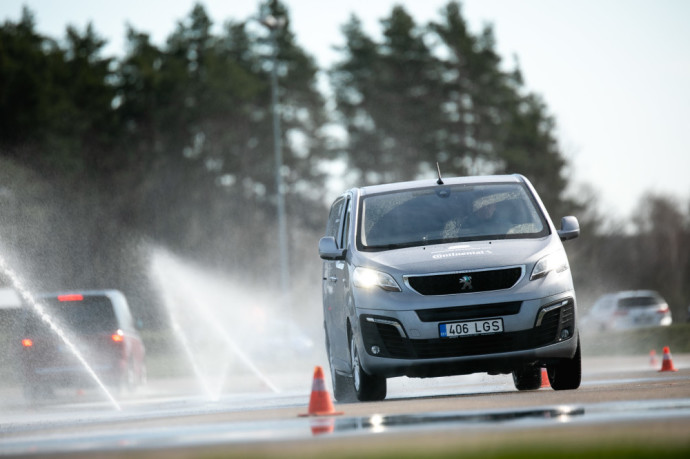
x=438 y=93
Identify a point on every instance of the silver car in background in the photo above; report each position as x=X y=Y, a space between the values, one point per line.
x=627 y=310
x=447 y=277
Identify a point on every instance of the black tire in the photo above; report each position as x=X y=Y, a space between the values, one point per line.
x=367 y=388
x=143 y=377
x=342 y=385
x=125 y=381
x=131 y=377
x=566 y=374
x=527 y=378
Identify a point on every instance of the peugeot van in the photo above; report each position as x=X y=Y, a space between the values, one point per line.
x=447 y=277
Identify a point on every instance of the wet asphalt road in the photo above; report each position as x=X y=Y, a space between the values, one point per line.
x=623 y=395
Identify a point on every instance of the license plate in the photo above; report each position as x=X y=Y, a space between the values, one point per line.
x=475 y=327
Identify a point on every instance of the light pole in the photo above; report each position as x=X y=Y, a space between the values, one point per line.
x=273 y=24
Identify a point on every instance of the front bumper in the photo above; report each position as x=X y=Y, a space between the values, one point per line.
x=391 y=349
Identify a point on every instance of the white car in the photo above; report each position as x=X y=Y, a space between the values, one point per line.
x=627 y=310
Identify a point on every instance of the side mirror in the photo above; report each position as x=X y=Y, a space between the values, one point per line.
x=328 y=249
x=570 y=228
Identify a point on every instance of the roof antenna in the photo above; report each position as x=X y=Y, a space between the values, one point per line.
x=438 y=169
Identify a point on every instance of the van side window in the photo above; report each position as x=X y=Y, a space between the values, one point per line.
x=334 y=218
x=345 y=241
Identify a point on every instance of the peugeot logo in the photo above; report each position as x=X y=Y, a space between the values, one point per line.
x=466 y=283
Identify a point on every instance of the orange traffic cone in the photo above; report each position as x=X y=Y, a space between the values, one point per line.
x=320 y=403
x=667 y=363
x=545 y=378
x=653 y=361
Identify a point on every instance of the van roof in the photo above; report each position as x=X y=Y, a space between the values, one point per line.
x=427 y=183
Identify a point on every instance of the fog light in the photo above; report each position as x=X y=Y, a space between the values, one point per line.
x=375 y=350
x=565 y=333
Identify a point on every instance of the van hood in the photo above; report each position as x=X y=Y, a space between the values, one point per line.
x=460 y=256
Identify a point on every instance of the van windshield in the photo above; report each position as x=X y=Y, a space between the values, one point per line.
x=445 y=214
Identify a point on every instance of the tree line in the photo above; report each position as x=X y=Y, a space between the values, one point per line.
x=173 y=143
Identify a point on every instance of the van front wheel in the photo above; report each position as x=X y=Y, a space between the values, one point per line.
x=567 y=374
x=342 y=385
x=527 y=377
x=367 y=388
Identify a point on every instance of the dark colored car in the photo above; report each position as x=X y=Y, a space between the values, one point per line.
x=96 y=325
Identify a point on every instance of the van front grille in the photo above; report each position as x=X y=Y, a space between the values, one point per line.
x=465 y=282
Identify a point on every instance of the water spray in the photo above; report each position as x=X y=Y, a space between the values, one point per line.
x=187 y=347
x=236 y=349
x=40 y=311
x=163 y=265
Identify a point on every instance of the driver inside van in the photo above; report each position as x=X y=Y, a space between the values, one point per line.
x=486 y=218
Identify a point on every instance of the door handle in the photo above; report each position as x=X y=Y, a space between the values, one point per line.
x=333 y=279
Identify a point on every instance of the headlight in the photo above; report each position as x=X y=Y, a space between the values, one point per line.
x=557 y=262
x=369 y=278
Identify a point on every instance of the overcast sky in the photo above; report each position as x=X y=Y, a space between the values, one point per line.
x=615 y=74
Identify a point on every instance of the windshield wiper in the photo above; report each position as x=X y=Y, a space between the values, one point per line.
x=399 y=245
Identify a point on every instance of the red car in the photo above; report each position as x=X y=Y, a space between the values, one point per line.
x=96 y=325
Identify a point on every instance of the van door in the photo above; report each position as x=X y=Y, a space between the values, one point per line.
x=333 y=228
x=335 y=284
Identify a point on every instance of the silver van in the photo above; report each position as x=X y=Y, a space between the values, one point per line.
x=447 y=277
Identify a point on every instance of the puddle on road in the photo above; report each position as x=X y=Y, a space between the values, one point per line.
x=379 y=423
x=525 y=417
x=596 y=413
